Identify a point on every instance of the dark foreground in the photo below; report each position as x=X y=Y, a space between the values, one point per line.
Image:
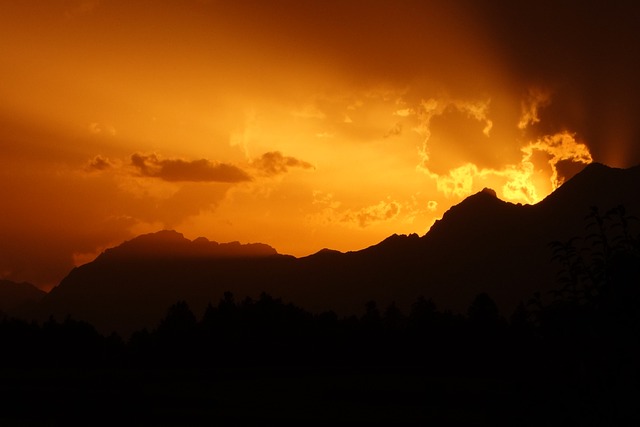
x=571 y=358
x=264 y=361
x=382 y=396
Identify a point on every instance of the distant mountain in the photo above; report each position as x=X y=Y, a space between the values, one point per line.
x=482 y=244
x=130 y=286
x=171 y=244
x=18 y=299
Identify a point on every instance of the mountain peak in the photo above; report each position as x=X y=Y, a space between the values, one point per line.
x=326 y=252
x=489 y=191
x=164 y=242
x=160 y=236
x=597 y=182
x=596 y=166
x=485 y=197
x=172 y=244
x=476 y=209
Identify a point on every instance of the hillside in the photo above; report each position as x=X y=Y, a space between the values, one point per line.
x=482 y=244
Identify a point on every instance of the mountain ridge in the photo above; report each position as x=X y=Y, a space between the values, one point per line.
x=18 y=299
x=170 y=243
x=482 y=244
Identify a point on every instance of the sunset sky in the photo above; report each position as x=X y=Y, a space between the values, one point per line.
x=301 y=124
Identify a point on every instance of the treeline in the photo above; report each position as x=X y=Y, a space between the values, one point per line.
x=566 y=336
x=269 y=332
x=594 y=310
x=559 y=357
x=576 y=351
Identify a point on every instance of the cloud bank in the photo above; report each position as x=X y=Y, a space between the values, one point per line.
x=98 y=163
x=176 y=170
x=275 y=163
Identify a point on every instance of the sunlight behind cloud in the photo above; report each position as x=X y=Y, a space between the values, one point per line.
x=294 y=125
x=560 y=146
x=535 y=100
x=519 y=182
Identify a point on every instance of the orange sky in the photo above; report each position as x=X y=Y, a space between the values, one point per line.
x=299 y=124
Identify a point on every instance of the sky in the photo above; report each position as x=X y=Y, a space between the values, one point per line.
x=300 y=124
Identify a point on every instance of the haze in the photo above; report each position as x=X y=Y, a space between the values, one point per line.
x=299 y=124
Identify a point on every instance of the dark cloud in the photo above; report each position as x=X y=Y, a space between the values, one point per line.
x=274 y=163
x=587 y=54
x=99 y=163
x=174 y=170
x=584 y=52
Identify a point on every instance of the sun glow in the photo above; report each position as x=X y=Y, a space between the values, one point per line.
x=254 y=123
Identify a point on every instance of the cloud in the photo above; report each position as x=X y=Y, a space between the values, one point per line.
x=518 y=178
x=309 y=111
x=458 y=182
x=460 y=164
x=585 y=53
x=536 y=99
x=403 y=112
x=383 y=211
x=96 y=128
x=176 y=170
x=478 y=110
x=561 y=146
x=333 y=211
x=437 y=107
x=519 y=184
x=98 y=164
x=274 y=163
x=394 y=131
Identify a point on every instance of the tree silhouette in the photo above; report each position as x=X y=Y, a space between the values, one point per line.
x=591 y=327
x=606 y=262
x=179 y=320
x=483 y=310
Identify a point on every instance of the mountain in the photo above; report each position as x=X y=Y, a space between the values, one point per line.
x=18 y=299
x=482 y=244
x=171 y=244
x=130 y=286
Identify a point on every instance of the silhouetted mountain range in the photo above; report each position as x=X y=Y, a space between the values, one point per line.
x=18 y=299
x=482 y=244
x=171 y=244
